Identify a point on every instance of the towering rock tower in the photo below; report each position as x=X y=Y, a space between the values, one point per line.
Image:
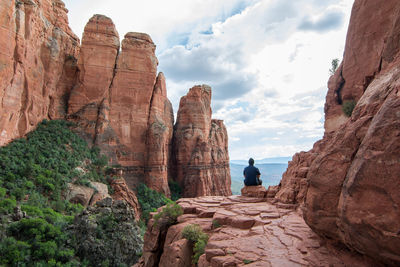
x=200 y=147
x=121 y=105
x=113 y=93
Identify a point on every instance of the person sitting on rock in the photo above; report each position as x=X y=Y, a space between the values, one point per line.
x=251 y=174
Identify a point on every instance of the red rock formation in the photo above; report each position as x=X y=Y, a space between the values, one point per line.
x=159 y=138
x=372 y=43
x=242 y=230
x=200 y=147
x=120 y=106
x=294 y=184
x=141 y=115
x=258 y=191
x=122 y=192
x=91 y=95
x=353 y=193
x=115 y=97
x=37 y=64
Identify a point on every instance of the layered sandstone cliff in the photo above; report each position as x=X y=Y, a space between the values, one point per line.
x=352 y=174
x=121 y=105
x=37 y=64
x=200 y=147
x=111 y=90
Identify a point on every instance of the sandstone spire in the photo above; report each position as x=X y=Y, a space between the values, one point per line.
x=200 y=147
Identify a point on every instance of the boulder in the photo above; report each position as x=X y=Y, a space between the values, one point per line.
x=101 y=192
x=123 y=192
x=258 y=191
x=178 y=253
x=79 y=194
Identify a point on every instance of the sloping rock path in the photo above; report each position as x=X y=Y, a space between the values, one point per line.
x=244 y=231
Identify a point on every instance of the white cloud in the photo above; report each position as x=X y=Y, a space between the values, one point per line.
x=266 y=60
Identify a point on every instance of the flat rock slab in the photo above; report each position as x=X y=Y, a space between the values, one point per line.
x=248 y=231
x=258 y=191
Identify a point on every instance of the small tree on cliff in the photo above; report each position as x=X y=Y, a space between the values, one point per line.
x=335 y=65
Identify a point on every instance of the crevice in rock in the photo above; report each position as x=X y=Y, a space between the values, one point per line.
x=100 y=118
x=23 y=123
x=113 y=77
x=149 y=126
x=163 y=236
x=339 y=89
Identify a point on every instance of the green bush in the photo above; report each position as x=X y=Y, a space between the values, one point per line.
x=199 y=239
x=193 y=232
x=45 y=161
x=168 y=215
x=34 y=171
x=7 y=205
x=14 y=252
x=150 y=200
x=335 y=65
x=215 y=224
x=176 y=190
x=198 y=249
x=3 y=192
x=348 y=107
x=46 y=240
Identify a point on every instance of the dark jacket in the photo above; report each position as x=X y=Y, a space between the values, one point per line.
x=251 y=173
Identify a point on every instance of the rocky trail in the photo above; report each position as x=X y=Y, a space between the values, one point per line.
x=244 y=231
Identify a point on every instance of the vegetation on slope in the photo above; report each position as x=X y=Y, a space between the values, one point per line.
x=199 y=239
x=34 y=173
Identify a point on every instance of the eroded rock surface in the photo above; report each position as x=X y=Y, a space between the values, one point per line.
x=111 y=90
x=371 y=45
x=89 y=101
x=243 y=231
x=37 y=64
x=200 y=147
x=258 y=191
x=122 y=192
x=353 y=172
x=86 y=195
x=121 y=105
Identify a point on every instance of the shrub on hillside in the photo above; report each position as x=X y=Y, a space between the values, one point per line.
x=46 y=160
x=199 y=239
x=150 y=200
x=34 y=171
x=348 y=107
x=176 y=190
x=168 y=215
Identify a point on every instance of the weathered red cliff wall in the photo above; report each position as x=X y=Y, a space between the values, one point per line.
x=159 y=138
x=353 y=173
x=200 y=147
x=115 y=96
x=121 y=105
x=37 y=64
x=90 y=96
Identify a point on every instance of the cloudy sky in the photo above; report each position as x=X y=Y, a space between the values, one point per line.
x=267 y=61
